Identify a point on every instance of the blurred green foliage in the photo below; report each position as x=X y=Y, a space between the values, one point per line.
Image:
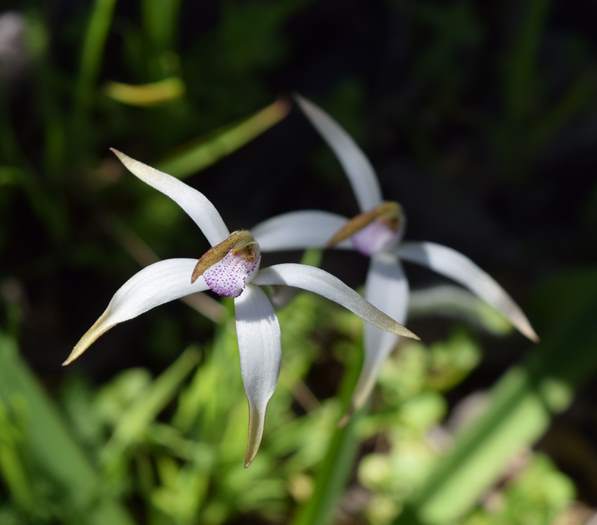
x=175 y=442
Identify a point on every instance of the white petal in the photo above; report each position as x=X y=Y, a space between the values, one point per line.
x=357 y=167
x=456 y=266
x=193 y=202
x=298 y=230
x=154 y=285
x=320 y=282
x=258 y=335
x=387 y=289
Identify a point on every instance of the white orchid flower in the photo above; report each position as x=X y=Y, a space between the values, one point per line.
x=230 y=268
x=377 y=233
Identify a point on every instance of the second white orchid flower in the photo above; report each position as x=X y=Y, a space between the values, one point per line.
x=377 y=233
x=230 y=268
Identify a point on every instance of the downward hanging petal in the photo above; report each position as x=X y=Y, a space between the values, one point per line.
x=193 y=202
x=258 y=334
x=320 y=282
x=387 y=289
x=357 y=167
x=298 y=230
x=154 y=285
x=454 y=265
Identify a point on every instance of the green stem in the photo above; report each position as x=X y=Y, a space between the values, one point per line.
x=91 y=55
x=339 y=458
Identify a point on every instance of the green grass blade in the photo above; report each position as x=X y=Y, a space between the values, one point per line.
x=135 y=422
x=91 y=54
x=521 y=87
x=12 y=467
x=50 y=445
x=160 y=22
x=224 y=142
x=521 y=407
x=336 y=466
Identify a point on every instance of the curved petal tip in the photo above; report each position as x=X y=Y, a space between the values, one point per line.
x=530 y=333
x=101 y=326
x=256 y=424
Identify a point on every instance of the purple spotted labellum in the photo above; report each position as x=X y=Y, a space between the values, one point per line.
x=228 y=277
x=377 y=233
x=231 y=267
x=374 y=238
x=228 y=266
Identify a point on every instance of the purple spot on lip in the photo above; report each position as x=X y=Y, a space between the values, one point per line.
x=374 y=238
x=229 y=276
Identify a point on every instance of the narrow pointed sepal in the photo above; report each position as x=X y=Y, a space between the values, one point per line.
x=356 y=165
x=154 y=285
x=461 y=269
x=298 y=230
x=197 y=206
x=100 y=327
x=322 y=283
x=387 y=289
x=256 y=425
x=259 y=346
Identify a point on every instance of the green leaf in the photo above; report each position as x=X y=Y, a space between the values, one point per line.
x=151 y=94
x=51 y=447
x=224 y=142
x=521 y=408
x=134 y=422
x=332 y=475
x=92 y=52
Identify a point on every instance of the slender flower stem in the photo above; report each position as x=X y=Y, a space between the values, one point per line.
x=337 y=464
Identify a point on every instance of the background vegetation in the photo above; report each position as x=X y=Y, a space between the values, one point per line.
x=481 y=118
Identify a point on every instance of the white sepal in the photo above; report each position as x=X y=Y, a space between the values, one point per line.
x=356 y=165
x=258 y=334
x=454 y=265
x=193 y=202
x=320 y=282
x=387 y=289
x=298 y=230
x=156 y=284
